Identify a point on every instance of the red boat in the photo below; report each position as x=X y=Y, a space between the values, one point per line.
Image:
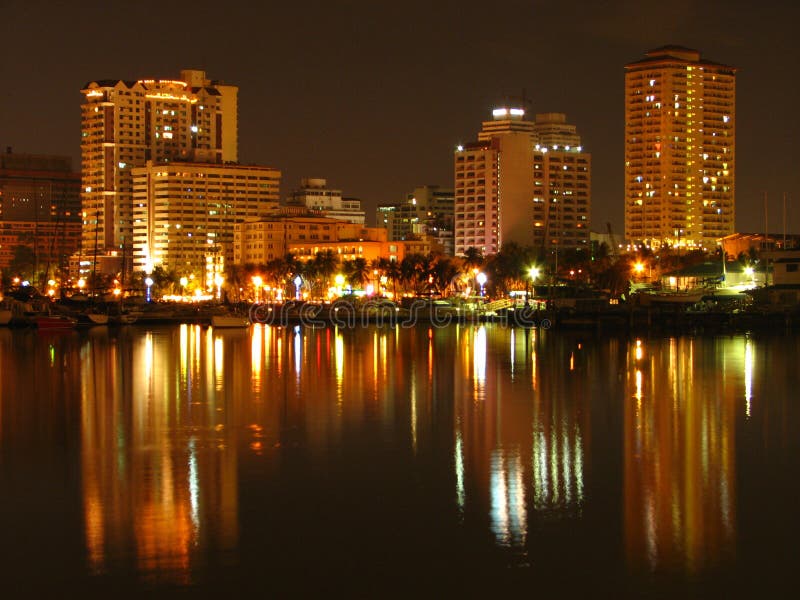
x=54 y=322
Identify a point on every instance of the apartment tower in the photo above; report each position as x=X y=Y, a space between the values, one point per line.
x=125 y=124
x=680 y=165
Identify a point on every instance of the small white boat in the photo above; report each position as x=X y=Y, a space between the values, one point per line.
x=229 y=321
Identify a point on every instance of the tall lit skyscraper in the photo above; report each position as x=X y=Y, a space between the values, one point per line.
x=527 y=182
x=124 y=124
x=680 y=117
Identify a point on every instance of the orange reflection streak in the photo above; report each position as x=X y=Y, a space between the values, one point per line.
x=679 y=464
x=256 y=344
x=156 y=486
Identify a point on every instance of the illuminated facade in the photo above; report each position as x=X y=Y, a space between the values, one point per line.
x=39 y=208
x=527 y=182
x=680 y=118
x=314 y=194
x=184 y=213
x=304 y=235
x=427 y=211
x=124 y=124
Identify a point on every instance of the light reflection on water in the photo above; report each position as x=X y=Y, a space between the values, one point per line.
x=520 y=434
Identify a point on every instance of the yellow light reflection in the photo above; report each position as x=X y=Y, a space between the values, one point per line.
x=256 y=344
x=479 y=362
x=748 y=377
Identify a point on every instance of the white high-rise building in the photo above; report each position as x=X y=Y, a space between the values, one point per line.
x=124 y=124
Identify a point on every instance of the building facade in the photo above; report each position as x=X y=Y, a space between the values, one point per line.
x=304 y=235
x=124 y=124
x=39 y=208
x=314 y=194
x=680 y=149
x=427 y=211
x=527 y=182
x=184 y=214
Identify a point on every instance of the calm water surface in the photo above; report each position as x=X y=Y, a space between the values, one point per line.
x=379 y=461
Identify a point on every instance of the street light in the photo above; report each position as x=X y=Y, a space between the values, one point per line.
x=297 y=283
x=534 y=273
x=481 y=279
x=218 y=280
x=149 y=283
x=257 y=282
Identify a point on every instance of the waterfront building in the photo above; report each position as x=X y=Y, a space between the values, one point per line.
x=314 y=194
x=39 y=208
x=384 y=217
x=522 y=181
x=427 y=211
x=184 y=213
x=304 y=234
x=125 y=124
x=680 y=149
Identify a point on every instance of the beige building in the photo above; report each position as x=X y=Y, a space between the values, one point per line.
x=124 y=124
x=527 y=182
x=184 y=214
x=680 y=160
x=314 y=194
x=304 y=235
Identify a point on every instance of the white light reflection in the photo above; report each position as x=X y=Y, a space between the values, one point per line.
x=512 y=349
x=298 y=343
x=508 y=512
x=194 y=489
x=459 y=465
x=479 y=361
x=748 y=377
x=219 y=364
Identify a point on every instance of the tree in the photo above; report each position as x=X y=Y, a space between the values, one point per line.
x=22 y=262
x=356 y=271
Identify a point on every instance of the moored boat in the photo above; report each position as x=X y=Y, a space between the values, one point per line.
x=54 y=322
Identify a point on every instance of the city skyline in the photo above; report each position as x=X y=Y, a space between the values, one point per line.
x=315 y=103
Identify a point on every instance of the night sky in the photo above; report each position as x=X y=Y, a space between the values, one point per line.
x=374 y=95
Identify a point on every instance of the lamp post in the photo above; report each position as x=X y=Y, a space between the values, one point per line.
x=298 y=281
x=149 y=283
x=534 y=273
x=481 y=279
x=257 y=282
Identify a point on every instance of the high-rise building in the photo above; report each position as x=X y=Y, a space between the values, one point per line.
x=680 y=117
x=39 y=208
x=428 y=210
x=184 y=213
x=527 y=182
x=314 y=194
x=124 y=124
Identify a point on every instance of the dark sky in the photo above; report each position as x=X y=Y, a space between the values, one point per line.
x=375 y=95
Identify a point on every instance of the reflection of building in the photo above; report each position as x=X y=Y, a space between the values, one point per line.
x=304 y=235
x=313 y=194
x=124 y=124
x=680 y=161
x=186 y=212
x=39 y=207
x=519 y=457
x=679 y=458
x=151 y=490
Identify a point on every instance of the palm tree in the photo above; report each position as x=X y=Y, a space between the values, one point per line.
x=356 y=271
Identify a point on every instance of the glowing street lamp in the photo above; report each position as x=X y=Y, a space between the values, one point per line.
x=534 y=273
x=257 y=283
x=481 y=279
x=298 y=281
x=638 y=267
x=218 y=280
x=148 y=282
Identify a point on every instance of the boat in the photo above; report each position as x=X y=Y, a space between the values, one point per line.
x=54 y=322
x=229 y=321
